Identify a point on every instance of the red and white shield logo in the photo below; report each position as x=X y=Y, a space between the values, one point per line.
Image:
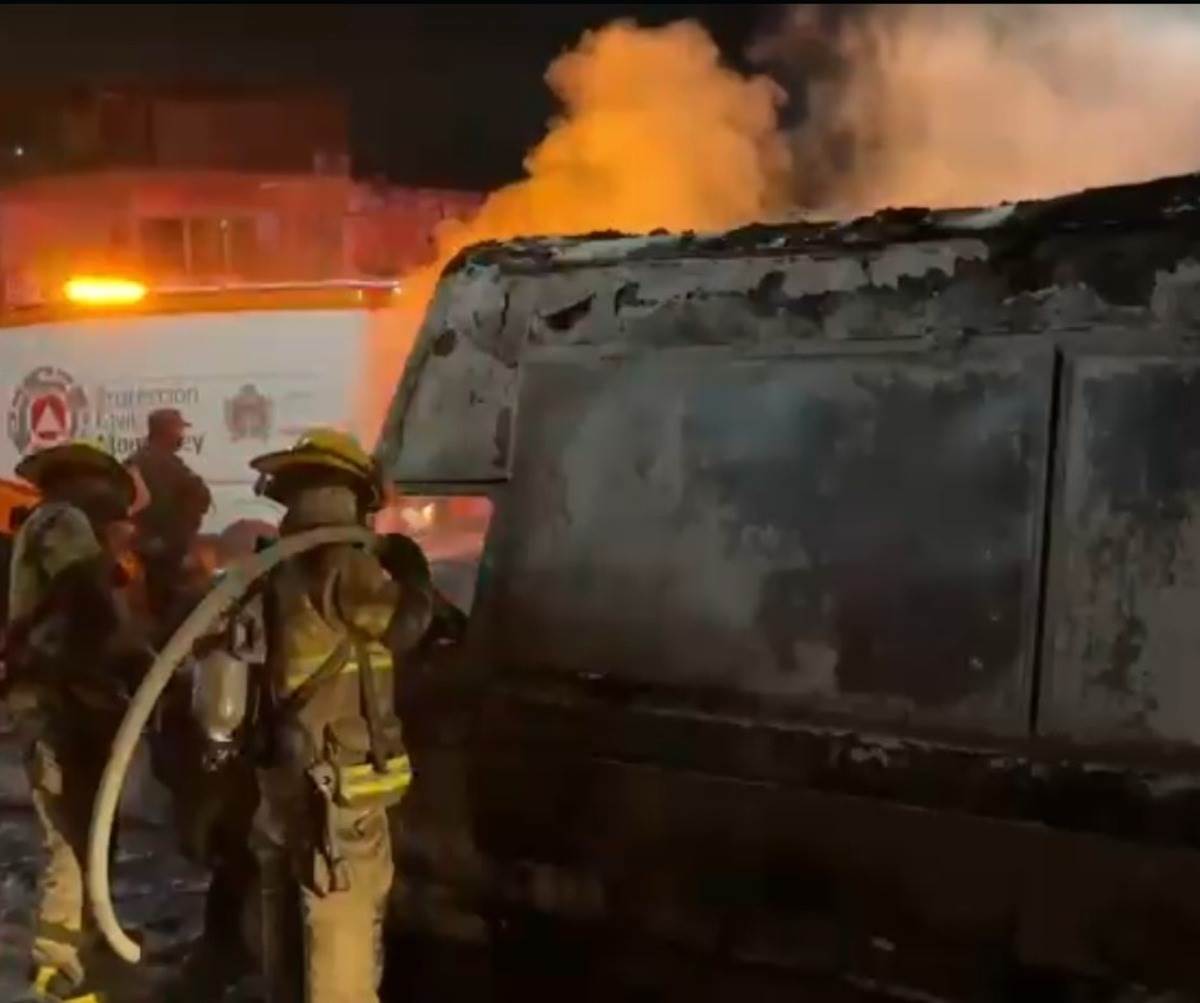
x=48 y=408
x=49 y=420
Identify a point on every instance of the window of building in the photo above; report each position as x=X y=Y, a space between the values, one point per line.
x=241 y=246
x=327 y=246
x=119 y=236
x=163 y=246
x=206 y=247
x=201 y=246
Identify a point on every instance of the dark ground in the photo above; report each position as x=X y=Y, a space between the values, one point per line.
x=157 y=894
x=160 y=896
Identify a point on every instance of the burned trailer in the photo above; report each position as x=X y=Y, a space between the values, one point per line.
x=839 y=610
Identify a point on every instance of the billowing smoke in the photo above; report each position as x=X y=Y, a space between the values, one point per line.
x=893 y=105
x=654 y=132
x=936 y=105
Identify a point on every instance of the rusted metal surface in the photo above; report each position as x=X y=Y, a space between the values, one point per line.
x=460 y=377
x=1124 y=631
x=1121 y=257
x=851 y=533
x=863 y=568
x=829 y=565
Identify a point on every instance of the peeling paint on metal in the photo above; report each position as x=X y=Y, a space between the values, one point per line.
x=1032 y=267
x=771 y=531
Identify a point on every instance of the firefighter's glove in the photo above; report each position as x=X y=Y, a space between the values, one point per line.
x=375 y=604
x=413 y=602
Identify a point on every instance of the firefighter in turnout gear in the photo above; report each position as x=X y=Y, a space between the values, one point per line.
x=71 y=658
x=316 y=644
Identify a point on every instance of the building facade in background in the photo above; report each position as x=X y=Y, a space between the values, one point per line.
x=177 y=128
x=198 y=189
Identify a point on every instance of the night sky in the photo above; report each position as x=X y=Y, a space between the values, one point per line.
x=444 y=94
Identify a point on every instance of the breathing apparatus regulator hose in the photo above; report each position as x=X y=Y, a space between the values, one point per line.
x=234 y=585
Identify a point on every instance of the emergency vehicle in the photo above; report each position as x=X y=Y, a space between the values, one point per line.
x=251 y=366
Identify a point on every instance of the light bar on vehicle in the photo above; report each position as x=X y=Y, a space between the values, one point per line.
x=352 y=285
x=95 y=290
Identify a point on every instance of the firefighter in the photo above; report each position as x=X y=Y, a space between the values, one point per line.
x=71 y=657
x=325 y=628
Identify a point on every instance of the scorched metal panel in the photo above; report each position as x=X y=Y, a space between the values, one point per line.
x=851 y=533
x=1123 y=610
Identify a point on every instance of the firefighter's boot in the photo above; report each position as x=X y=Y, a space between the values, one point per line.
x=49 y=985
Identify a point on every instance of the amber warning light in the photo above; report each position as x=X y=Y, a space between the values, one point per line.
x=91 y=290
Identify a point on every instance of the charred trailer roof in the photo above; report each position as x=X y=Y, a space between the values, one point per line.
x=902 y=509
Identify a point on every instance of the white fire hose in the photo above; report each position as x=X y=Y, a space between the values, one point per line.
x=236 y=582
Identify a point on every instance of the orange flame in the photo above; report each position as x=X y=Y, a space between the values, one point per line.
x=933 y=105
x=654 y=132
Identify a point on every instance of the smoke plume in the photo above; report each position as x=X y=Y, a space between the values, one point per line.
x=654 y=132
x=939 y=105
x=929 y=105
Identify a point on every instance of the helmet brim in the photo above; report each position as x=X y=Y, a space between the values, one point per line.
x=40 y=467
x=271 y=465
x=289 y=459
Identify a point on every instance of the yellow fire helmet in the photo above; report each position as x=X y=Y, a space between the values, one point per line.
x=322 y=447
x=78 y=454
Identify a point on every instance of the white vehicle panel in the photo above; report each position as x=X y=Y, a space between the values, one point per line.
x=248 y=381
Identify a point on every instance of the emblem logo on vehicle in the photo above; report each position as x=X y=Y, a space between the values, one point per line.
x=248 y=414
x=48 y=408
